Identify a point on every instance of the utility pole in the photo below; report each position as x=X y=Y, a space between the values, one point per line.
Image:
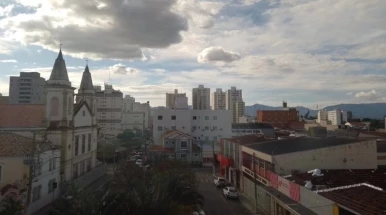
x=254 y=183
x=31 y=168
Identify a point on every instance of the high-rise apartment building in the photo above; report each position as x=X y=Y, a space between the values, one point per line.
x=335 y=117
x=218 y=100
x=109 y=109
x=234 y=102
x=172 y=97
x=201 y=98
x=28 y=88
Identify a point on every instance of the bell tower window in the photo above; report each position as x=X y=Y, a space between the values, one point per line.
x=54 y=106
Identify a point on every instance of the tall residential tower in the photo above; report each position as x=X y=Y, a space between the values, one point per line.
x=201 y=98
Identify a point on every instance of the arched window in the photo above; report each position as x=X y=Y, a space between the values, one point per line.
x=54 y=106
x=70 y=104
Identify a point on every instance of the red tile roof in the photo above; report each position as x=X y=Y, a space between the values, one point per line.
x=16 y=116
x=180 y=133
x=359 y=190
x=162 y=149
x=361 y=199
x=17 y=145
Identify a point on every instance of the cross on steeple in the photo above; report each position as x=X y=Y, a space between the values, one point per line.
x=86 y=62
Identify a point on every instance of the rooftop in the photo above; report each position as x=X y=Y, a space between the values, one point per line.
x=358 y=190
x=16 y=145
x=21 y=115
x=255 y=125
x=248 y=139
x=298 y=144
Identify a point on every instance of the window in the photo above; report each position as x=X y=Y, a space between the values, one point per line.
x=214 y=117
x=206 y=117
x=196 y=155
x=174 y=117
x=159 y=128
x=184 y=144
x=75 y=171
x=184 y=156
x=214 y=138
x=36 y=191
x=174 y=127
x=206 y=127
x=76 y=145
x=88 y=167
x=82 y=167
x=51 y=164
x=51 y=185
x=70 y=104
x=194 y=128
x=194 y=117
x=54 y=106
x=89 y=142
x=83 y=143
x=214 y=127
x=159 y=117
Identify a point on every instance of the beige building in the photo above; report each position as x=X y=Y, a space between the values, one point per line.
x=234 y=102
x=172 y=97
x=133 y=120
x=218 y=100
x=130 y=105
x=109 y=110
x=201 y=98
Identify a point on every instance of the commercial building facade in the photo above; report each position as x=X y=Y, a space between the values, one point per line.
x=28 y=88
x=278 y=118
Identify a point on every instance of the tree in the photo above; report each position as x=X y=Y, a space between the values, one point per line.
x=9 y=206
x=169 y=188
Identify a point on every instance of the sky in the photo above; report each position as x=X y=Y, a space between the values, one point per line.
x=307 y=52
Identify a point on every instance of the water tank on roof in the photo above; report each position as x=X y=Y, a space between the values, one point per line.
x=308 y=185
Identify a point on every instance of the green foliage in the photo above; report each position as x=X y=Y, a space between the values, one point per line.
x=169 y=188
x=9 y=206
x=126 y=135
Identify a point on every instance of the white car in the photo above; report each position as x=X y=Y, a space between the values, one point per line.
x=219 y=181
x=138 y=162
x=230 y=192
x=198 y=210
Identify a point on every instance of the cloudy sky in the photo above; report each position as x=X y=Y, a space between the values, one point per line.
x=307 y=52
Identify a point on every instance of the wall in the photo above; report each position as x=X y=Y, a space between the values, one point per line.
x=80 y=120
x=316 y=202
x=263 y=199
x=362 y=155
x=133 y=120
x=9 y=175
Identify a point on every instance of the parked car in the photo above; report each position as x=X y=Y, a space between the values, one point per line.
x=230 y=192
x=138 y=162
x=219 y=181
x=198 y=210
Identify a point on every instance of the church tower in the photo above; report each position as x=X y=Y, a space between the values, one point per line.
x=86 y=92
x=59 y=96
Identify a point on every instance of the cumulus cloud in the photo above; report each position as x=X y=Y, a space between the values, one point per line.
x=122 y=69
x=8 y=61
x=213 y=54
x=371 y=95
x=112 y=29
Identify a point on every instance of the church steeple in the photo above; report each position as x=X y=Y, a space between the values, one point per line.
x=86 y=83
x=59 y=73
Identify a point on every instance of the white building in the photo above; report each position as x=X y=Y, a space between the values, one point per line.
x=14 y=169
x=205 y=126
x=130 y=105
x=218 y=100
x=133 y=120
x=346 y=115
x=201 y=98
x=109 y=110
x=247 y=119
x=172 y=97
x=322 y=116
x=335 y=117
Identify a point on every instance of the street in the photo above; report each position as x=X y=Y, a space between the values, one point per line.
x=215 y=202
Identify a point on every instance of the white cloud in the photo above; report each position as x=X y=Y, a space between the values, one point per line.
x=213 y=54
x=5 y=11
x=122 y=69
x=8 y=61
x=371 y=95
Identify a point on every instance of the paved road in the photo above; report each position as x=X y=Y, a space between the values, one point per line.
x=215 y=202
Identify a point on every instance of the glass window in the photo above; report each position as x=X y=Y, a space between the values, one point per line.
x=194 y=117
x=214 y=117
x=159 y=117
x=206 y=127
x=159 y=128
x=173 y=117
x=83 y=143
x=206 y=117
x=184 y=144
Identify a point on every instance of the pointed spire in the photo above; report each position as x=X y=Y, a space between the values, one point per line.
x=59 y=71
x=86 y=83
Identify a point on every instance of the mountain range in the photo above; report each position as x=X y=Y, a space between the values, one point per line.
x=368 y=110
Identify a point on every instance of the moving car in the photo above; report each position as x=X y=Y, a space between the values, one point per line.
x=219 y=181
x=230 y=192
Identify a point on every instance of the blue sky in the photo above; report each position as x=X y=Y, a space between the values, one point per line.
x=308 y=52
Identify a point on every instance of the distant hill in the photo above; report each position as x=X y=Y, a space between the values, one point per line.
x=369 y=110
